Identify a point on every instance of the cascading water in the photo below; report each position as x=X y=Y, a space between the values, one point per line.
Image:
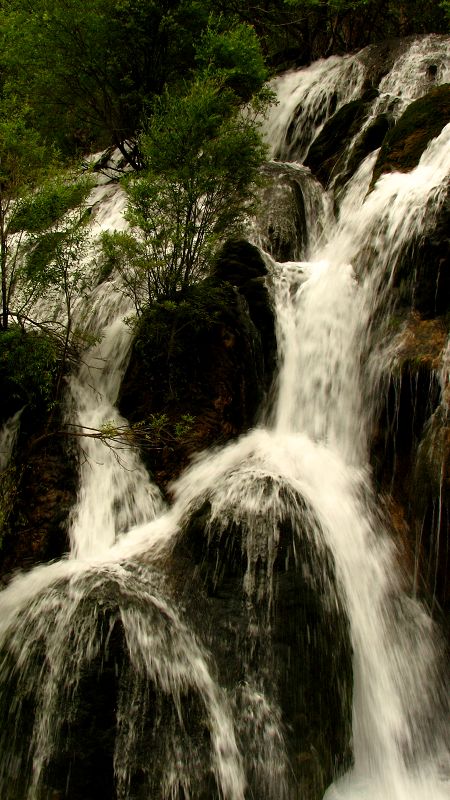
x=296 y=495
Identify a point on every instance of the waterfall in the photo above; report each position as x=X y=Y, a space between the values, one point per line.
x=113 y=683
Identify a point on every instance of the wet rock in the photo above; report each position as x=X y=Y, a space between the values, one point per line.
x=281 y=224
x=422 y=121
x=45 y=480
x=422 y=275
x=238 y=262
x=326 y=156
x=266 y=617
x=128 y=713
x=207 y=359
x=241 y=264
x=430 y=499
x=411 y=454
x=371 y=139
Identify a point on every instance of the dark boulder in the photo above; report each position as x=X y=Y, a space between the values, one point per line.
x=327 y=154
x=370 y=139
x=422 y=121
x=411 y=454
x=281 y=226
x=422 y=275
x=238 y=262
x=265 y=617
x=203 y=364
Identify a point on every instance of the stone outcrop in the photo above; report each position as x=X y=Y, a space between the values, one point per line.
x=422 y=121
x=411 y=452
x=421 y=278
x=269 y=626
x=205 y=362
x=328 y=158
x=44 y=466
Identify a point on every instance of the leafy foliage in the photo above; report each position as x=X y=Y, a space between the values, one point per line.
x=233 y=57
x=88 y=73
x=154 y=432
x=37 y=211
x=201 y=160
x=23 y=162
x=94 y=68
x=299 y=31
x=87 y=66
x=37 y=236
x=29 y=365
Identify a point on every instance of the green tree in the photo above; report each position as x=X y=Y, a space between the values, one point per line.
x=90 y=71
x=23 y=160
x=87 y=70
x=445 y=6
x=201 y=157
x=232 y=55
x=299 y=31
x=30 y=214
x=55 y=261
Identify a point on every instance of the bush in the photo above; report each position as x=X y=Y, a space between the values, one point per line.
x=202 y=157
x=29 y=367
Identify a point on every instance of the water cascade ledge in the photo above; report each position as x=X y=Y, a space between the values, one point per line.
x=257 y=637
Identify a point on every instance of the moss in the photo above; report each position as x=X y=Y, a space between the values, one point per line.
x=170 y=334
x=422 y=343
x=201 y=362
x=330 y=146
x=422 y=121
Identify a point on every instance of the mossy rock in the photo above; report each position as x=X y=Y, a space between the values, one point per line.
x=238 y=262
x=330 y=145
x=45 y=475
x=304 y=630
x=422 y=121
x=371 y=139
x=202 y=357
x=422 y=275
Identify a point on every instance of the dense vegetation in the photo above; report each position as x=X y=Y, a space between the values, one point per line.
x=88 y=74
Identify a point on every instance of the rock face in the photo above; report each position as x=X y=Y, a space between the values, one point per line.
x=327 y=154
x=205 y=363
x=270 y=627
x=422 y=276
x=421 y=122
x=411 y=451
x=45 y=484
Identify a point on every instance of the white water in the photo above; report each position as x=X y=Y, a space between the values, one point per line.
x=315 y=454
x=115 y=492
x=410 y=78
x=312 y=95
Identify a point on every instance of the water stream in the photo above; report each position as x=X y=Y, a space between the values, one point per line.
x=109 y=608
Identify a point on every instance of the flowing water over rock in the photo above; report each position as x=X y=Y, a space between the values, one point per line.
x=203 y=651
